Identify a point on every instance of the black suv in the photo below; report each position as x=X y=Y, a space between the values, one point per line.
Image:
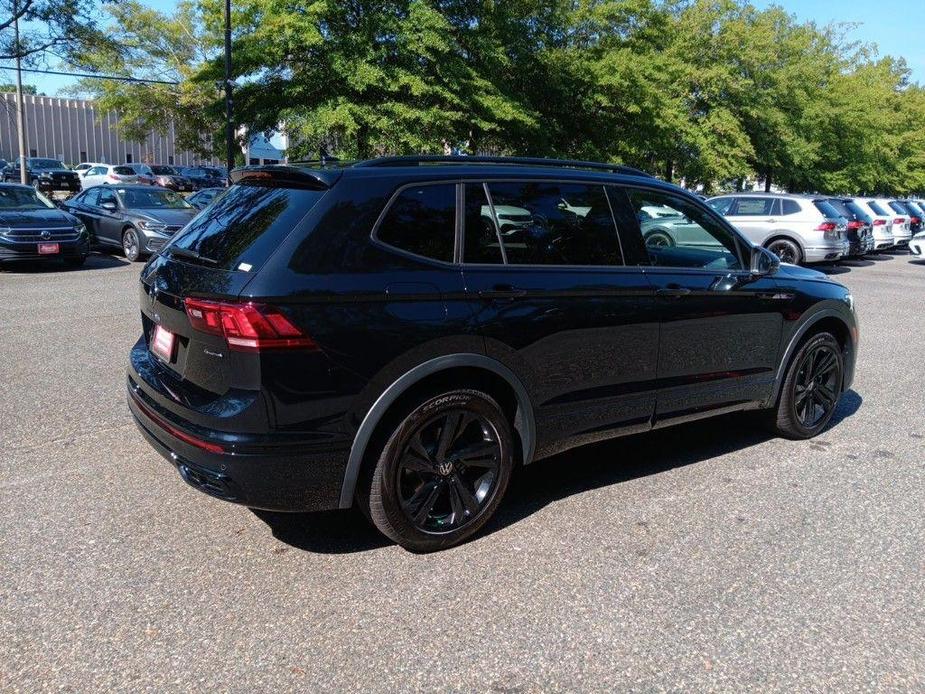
x=45 y=175
x=400 y=333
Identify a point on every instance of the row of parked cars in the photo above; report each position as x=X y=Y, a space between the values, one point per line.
x=802 y=229
x=51 y=175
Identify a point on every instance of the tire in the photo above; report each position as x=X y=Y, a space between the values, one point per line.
x=76 y=262
x=787 y=251
x=131 y=245
x=659 y=239
x=424 y=494
x=812 y=386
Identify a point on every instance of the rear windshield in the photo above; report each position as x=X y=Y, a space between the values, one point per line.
x=826 y=209
x=857 y=211
x=163 y=170
x=245 y=225
x=840 y=208
x=877 y=207
x=124 y=170
x=914 y=208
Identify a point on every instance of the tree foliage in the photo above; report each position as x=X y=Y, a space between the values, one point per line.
x=708 y=91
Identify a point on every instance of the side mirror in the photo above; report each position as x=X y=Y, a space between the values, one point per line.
x=764 y=262
x=111 y=206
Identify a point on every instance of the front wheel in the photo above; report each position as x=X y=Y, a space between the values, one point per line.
x=811 y=388
x=131 y=246
x=442 y=472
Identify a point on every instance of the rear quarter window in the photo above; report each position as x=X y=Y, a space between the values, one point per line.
x=791 y=207
x=422 y=220
x=246 y=224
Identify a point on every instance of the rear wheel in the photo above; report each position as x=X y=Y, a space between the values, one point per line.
x=659 y=239
x=131 y=246
x=786 y=250
x=442 y=472
x=811 y=388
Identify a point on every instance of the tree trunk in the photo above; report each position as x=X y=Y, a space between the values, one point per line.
x=767 y=180
x=669 y=170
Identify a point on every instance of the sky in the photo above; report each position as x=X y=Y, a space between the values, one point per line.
x=894 y=25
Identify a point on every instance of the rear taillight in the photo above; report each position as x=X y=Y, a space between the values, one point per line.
x=915 y=220
x=899 y=220
x=854 y=224
x=113 y=177
x=879 y=222
x=827 y=226
x=247 y=327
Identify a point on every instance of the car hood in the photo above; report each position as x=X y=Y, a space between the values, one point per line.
x=36 y=219
x=797 y=272
x=165 y=216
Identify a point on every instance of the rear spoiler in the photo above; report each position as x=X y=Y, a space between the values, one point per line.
x=286 y=176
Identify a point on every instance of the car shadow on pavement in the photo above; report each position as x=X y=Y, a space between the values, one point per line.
x=95 y=261
x=547 y=481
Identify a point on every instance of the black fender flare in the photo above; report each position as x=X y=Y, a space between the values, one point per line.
x=524 y=422
x=798 y=336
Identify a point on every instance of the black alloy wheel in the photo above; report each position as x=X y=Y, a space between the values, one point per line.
x=659 y=239
x=442 y=472
x=811 y=388
x=786 y=251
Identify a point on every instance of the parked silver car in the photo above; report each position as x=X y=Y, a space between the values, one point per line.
x=796 y=228
x=109 y=174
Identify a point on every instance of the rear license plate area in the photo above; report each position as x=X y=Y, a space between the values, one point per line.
x=162 y=343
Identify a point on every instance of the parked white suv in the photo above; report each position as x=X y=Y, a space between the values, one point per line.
x=109 y=174
x=902 y=225
x=796 y=228
x=882 y=221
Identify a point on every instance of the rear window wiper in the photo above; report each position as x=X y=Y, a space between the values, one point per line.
x=181 y=252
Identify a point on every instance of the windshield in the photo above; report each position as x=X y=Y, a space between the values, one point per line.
x=23 y=199
x=153 y=199
x=877 y=208
x=46 y=164
x=163 y=171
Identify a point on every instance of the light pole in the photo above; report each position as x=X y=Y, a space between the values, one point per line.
x=229 y=125
x=20 y=108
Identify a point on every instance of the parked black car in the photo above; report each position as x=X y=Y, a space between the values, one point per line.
x=32 y=228
x=203 y=197
x=202 y=177
x=170 y=177
x=139 y=219
x=320 y=337
x=44 y=174
x=860 y=227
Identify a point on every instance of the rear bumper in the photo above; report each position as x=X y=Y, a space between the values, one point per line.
x=821 y=253
x=273 y=471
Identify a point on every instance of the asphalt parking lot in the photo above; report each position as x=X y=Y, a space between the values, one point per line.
x=705 y=557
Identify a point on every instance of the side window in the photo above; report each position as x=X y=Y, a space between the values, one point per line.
x=92 y=198
x=685 y=235
x=754 y=207
x=422 y=220
x=791 y=207
x=482 y=244
x=551 y=223
x=107 y=196
x=721 y=205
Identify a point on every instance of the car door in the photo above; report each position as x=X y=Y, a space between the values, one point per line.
x=109 y=223
x=84 y=207
x=720 y=324
x=557 y=302
x=94 y=176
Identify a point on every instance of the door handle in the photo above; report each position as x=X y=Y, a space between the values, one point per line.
x=672 y=292
x=502 y=292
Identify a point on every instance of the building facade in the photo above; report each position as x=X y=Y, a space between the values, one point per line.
x=74 y=131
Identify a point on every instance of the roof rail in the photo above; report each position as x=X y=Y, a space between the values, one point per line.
x=521 y=161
